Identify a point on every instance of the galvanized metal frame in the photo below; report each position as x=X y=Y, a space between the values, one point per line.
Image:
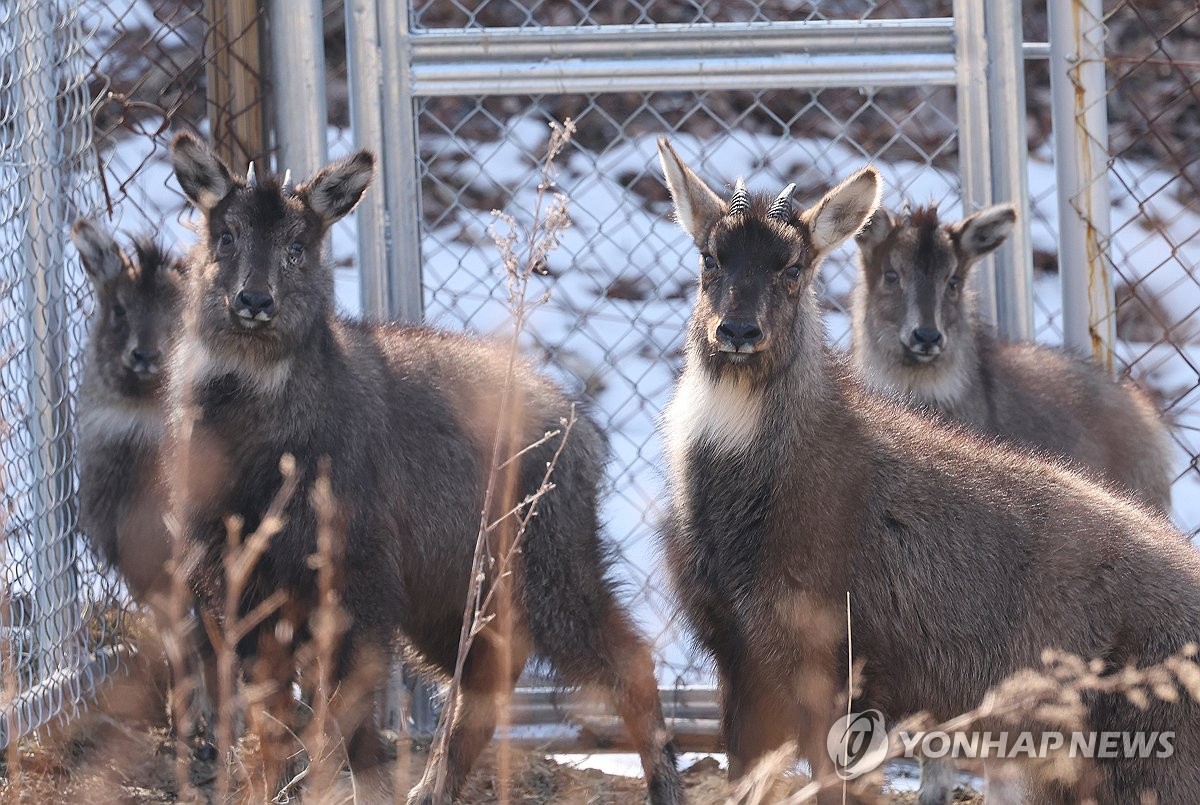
x=381 y=112
x=1080 y=119
x=57 y=640
x=388 y=78
x=298 y=84
x=45 y=307
x=714 y=56
x=993 y=153
x=822 y=54
x=1009 y=151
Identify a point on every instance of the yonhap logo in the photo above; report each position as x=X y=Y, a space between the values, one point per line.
x=857 y=743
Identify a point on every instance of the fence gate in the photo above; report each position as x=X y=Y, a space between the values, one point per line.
x=458 y=96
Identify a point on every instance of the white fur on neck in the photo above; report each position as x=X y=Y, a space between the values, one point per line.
x=138 y=423
x=941 y=384
x=725 y=413
x=195 y=363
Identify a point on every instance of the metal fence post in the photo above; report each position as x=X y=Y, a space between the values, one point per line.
x=366 y=119
x=382 y=117
x=992 y=152
x=389 y=234
x=1013 y=261
x=974 y=156
x=401 y=178
x=1080 y=119
x=298 y=83
x=49 y=419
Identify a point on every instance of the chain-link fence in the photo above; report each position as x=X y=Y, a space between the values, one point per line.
x=790 y=91
x=89 y=94
x=1135 y=200
x=620 y=285
x=57 y=614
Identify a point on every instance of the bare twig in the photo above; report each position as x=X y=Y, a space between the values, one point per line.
x=480 y=608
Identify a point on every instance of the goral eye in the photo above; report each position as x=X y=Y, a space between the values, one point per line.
x=954 y=283
x=792 y=273
x=891 y=277
x=710 y=262
x=226 y=238
x=296 y=250
x=118 y=311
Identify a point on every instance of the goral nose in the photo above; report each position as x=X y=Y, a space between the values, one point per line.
x=926 y=337
x=144 y=356
x=739 y=333
x=255 y=305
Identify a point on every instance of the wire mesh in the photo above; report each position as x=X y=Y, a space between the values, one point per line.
x=57 y=615
x=160 y=66
x=581 y=13
x=620 y=285
x=1153 y=246
x=90 y=94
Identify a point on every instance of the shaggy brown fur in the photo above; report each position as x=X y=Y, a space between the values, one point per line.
x=407 y=417
x=120 y=413
x=913 y=282
x=964 y=560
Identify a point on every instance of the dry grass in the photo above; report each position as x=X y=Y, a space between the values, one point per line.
x=102 y=759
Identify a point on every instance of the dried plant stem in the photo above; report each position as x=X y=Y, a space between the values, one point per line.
x=1053 y=696
x=240 y=559
x=482 y=609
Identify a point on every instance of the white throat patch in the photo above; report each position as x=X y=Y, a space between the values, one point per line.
x=107 y=424
x=725 y=413
x=195 y=363
x=941 y=384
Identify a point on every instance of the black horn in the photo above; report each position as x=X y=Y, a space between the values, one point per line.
x=781 y=207
x=740 y=203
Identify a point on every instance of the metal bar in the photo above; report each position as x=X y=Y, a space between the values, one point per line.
x=932 y=35
x=1009 y=154
x=571 y=76
x=298 y=73
x=49 y=420
x=975 y=166
x=721 y=56
x=1035 y=50
x=366 y=119
x=1080 y=118
x=405 y=298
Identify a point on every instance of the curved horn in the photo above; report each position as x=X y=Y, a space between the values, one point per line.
x=287 y=181
x=781 y=207
x=251 y=178
x=740 y=203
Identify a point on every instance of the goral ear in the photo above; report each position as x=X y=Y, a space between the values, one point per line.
x=99 y=252
x=203 y=176
x=337 y=188
x=697 y=206
x=982 y=233
x=876 y=230
x=843 y=210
